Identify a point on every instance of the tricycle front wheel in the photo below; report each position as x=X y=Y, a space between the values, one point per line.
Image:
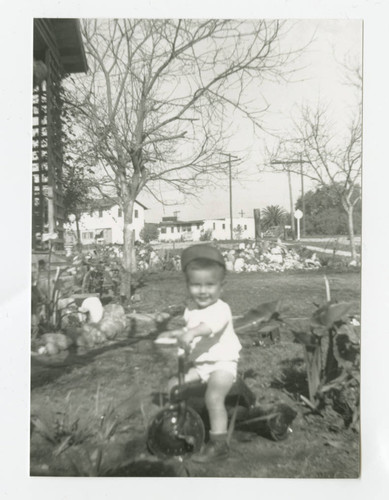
x=176 y=431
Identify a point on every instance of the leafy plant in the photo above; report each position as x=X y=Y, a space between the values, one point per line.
x=83 y=441
x=62 y=430
x=206 y=235
x=331 y=350
x=149 y=232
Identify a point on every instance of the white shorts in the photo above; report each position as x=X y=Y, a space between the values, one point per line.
x=204 y=370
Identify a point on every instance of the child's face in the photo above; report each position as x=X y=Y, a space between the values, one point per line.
x=205 y=285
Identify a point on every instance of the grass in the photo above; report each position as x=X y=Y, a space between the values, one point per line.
x=318 y=447
x=330 y=243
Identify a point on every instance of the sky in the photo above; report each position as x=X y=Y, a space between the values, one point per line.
x=321 y=79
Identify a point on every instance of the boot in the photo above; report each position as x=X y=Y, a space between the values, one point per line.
x=216 y=449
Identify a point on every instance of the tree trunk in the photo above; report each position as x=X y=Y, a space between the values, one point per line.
x=79 y=246
x=129 y=263
x=351 y=233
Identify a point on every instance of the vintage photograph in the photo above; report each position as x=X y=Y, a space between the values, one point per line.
x=196 y=218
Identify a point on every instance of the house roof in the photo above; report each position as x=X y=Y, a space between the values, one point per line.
x=107 y=203
x=180 y=222
x=65 y=36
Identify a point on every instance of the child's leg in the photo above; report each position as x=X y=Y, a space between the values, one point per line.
x=218 y=386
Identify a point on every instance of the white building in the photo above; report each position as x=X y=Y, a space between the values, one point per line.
x=105 y=222
x=243 y=228
x=172 y=229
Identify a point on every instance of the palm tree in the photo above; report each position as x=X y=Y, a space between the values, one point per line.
x=273 y=215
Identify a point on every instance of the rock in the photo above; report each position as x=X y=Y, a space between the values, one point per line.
x=111 y=327
x=52 y=348
x=276 y=258
x=239 y=265
x=60 y=340
x=276 y=250
x=229 y=265
x=94 y=308
x=231 y=256
x=92 y=335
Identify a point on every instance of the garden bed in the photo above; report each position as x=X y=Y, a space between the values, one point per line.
x=121 y=381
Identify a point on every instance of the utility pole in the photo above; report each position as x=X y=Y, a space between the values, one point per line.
x=291 y=201
x=230 y=179
x=230 y=190
x=286 y=164
x=302 y=198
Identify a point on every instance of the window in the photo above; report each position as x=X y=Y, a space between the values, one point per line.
x=163 y=230
x=100 y=212
x=172 y=229
x=198 y=226
x=136 y=214
x=245 y=227
x=120 y=212
x=214 y=225
x=178 y=229
x=223 y=226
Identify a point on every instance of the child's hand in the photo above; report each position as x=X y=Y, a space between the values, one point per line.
x=169 y=334
x=185 y=338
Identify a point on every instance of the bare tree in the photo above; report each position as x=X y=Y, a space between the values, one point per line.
x=316 y=148
x=153 y=109
x=326 y=158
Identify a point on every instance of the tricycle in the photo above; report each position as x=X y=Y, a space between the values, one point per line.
x=182 y=426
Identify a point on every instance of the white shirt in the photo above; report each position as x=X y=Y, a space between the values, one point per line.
x=218 y=318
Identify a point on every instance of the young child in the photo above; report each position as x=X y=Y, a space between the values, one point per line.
x=210 y=336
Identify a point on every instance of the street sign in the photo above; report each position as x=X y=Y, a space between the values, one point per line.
x=298 y=214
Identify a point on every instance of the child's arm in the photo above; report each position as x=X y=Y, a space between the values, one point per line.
x=188 y=334
x=171 y=334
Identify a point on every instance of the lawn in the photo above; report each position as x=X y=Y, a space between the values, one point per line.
x=334 y=243
x=127 y=376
